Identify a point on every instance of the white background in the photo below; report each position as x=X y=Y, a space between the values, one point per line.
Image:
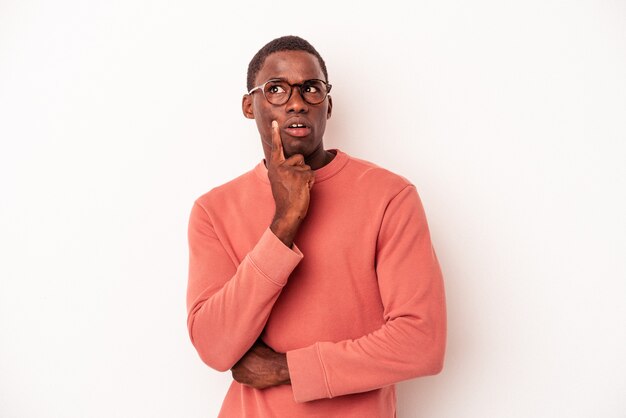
x=510 y=117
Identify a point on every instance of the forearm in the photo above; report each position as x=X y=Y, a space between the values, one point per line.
x=401 y=349
x=229 y=305
x=224 y=325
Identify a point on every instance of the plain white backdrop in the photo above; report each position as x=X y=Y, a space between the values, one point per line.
x=509 y=116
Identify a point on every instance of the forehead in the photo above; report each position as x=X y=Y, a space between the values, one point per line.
x=294 y=66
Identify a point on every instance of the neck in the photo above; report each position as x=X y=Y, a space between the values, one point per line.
x=319 y=159
x=316 y=160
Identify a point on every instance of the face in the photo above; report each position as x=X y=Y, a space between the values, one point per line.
x=294 y=67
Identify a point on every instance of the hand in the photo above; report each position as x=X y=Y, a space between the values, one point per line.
x=261 y=367
x=291 y=180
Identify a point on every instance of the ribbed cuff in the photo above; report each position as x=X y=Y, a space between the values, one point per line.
x=308 y=376
x=274 y=259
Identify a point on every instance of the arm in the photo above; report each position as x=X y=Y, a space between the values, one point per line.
x=411 y=342
x=229 y=304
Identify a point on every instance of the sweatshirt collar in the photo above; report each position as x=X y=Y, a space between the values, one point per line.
x=324 y=173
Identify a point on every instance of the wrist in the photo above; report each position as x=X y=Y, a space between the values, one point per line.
x=283 y=372
x=285 y=228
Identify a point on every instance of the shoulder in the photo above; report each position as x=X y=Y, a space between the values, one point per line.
x=368 y=174
x=230 y=190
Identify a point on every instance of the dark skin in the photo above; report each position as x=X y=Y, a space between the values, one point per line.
x=290 y=159
x=290 y=174
x=261 y=367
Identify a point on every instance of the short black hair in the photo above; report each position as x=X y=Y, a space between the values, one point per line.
x=284 y=43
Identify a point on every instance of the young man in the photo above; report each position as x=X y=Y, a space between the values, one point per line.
x=312 y=277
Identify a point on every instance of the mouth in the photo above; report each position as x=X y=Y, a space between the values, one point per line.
x=298 y=129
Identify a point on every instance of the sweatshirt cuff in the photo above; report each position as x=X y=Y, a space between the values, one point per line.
x=274 y=259
x=307 y=374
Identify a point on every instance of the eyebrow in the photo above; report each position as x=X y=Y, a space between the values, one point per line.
x=287 y=81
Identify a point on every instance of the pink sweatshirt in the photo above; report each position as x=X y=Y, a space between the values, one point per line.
x=357 y=304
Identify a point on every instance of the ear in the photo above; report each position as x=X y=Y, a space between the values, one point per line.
x=247 y=106
x=330 y=107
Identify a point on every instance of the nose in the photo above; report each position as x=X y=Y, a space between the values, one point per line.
x=296 y=103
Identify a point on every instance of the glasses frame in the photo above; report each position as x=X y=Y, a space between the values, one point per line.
x=291 y=86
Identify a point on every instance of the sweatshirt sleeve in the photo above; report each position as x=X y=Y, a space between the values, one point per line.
x=229 y=304
x=411 y=342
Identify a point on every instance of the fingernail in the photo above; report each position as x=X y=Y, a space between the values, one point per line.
x=274 y=124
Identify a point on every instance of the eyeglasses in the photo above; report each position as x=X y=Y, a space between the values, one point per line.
x=278 y=92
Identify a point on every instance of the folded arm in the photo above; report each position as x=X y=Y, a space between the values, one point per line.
x=229 y=304
x=411 y=342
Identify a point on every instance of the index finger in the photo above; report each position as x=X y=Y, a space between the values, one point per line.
x=277 y=144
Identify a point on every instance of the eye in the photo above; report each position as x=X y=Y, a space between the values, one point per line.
x=314 y=87
x=275 y=88
x=310 y=88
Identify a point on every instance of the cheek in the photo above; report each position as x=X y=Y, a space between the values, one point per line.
x=260 y=116
x=264 y=125
x=263 y=115
x=323 y=120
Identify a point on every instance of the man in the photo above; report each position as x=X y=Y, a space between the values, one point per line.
x=312 y=276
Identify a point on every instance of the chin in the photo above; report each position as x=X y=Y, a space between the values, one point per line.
x=305 y=151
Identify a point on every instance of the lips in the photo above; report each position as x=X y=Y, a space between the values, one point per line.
x=297 y=128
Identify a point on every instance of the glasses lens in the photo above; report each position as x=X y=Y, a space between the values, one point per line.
x=314 y=91
x=277 y=92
